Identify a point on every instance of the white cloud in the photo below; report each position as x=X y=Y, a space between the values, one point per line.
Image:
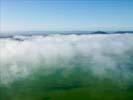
x=104 y=52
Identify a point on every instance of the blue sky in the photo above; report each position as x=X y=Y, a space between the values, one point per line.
x=34 y=15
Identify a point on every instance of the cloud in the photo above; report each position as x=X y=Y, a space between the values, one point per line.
x=96 y=53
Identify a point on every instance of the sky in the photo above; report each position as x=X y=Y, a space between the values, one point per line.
x=66 y=15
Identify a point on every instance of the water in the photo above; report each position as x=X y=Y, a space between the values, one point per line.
x=66 y=67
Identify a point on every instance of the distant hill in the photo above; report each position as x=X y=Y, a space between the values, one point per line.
x=123 y=32
x=46 y=33
x=99 y=32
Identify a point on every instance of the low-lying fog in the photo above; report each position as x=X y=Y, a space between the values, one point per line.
x=100 y=54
